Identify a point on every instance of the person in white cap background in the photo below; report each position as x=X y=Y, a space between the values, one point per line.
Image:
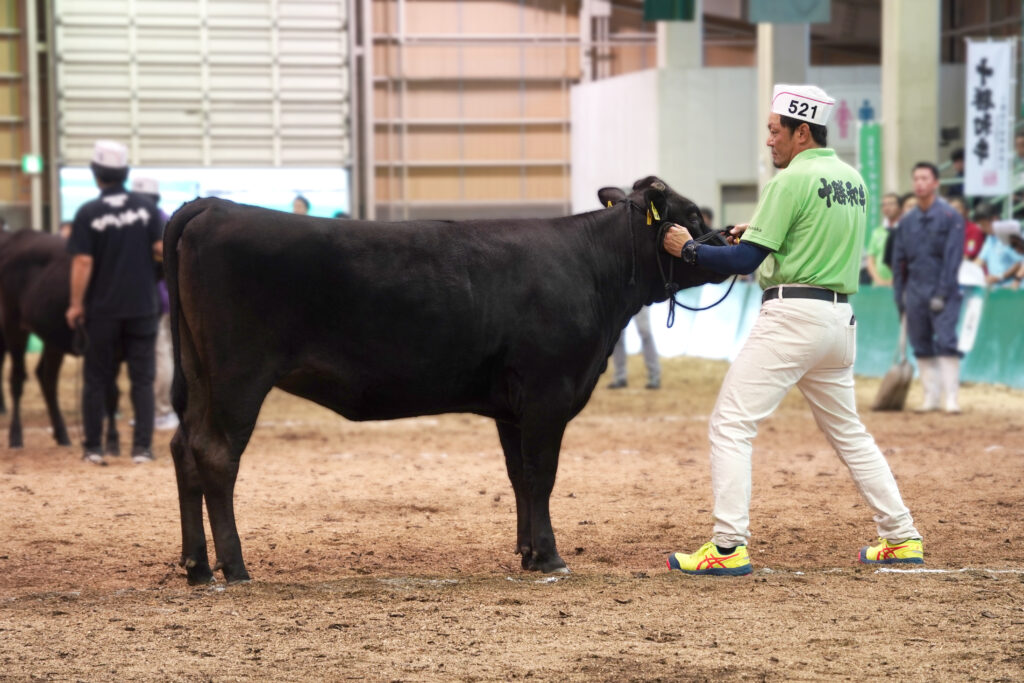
x=805 y=239
x=927 y=251
x=165 y=417
x=115 y=244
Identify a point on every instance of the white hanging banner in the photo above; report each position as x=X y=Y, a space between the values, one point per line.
x=989 y=120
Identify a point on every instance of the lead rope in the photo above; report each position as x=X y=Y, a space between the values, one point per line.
x=671 y=288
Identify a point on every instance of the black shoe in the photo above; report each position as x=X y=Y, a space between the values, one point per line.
x=617 y=384
x=653 y=384
x=141 y=456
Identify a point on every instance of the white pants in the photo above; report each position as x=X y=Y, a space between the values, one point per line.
x=811 y=344
x=164 y=366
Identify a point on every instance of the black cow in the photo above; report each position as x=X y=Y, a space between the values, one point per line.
x=35 y=273
x=510 y=319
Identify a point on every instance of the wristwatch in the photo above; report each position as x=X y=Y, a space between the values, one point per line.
x=689 y=254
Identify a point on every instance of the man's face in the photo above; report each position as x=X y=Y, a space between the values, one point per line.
x=299 y=206
x=891 y=207
x=780 y=141
x=1018 y=146
x=925 y=184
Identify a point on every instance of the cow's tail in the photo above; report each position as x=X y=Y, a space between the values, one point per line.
x=172 y=236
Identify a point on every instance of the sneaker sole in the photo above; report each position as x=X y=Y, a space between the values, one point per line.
x=892 y=560
x=714 y=571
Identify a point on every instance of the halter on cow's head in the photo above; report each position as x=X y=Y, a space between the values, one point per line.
x=663 y=206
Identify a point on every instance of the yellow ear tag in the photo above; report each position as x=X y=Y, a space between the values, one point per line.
x=648 y=216
x=654 y=210
x=609 y=203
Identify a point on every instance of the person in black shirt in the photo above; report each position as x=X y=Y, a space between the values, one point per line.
x=116 y=240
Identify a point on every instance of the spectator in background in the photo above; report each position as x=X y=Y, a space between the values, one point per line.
x=928 y=248
x=650 y=351
x=880 y=273
x=165 y=417
x=974 y=237
x=115 y=244
x=1002 y=264
x=957 y=160
x=300 y=205
x=907 y=202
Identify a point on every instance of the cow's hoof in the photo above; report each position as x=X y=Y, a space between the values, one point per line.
x=201 y=579
x=15 y=444
x=551 y=565
x=63 y=441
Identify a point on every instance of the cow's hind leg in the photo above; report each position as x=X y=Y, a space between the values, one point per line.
x=512 y=443
x=216 y=435
x=194 y=557
x=48 y=373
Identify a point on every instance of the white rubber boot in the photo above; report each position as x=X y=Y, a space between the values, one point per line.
x=949 y=367
x=931 y=383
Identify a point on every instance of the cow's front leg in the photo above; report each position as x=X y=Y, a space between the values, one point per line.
x=512 y=444
x=17 y=344
x=542 y=440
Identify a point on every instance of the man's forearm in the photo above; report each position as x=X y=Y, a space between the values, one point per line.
x=81 y=271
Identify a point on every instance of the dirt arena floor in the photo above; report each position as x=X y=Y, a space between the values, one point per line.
x=383 y=551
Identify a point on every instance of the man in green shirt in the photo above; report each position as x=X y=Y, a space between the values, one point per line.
x=806 y=236
x=881 y=274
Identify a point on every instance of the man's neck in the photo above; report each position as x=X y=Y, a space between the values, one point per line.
x=925 y=203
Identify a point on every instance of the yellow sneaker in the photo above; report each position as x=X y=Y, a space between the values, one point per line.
x=909 y=551
x=708 y=560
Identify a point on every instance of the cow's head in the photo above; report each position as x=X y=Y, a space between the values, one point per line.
x=661 y=203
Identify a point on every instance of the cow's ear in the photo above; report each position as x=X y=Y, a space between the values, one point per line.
x=610 y=195
x=657 y=206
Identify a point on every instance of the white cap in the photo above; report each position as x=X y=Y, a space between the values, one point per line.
x=110 y=154
x=145 y=185
x=804 y=102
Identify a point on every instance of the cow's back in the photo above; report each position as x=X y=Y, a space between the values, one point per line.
x=378 y=320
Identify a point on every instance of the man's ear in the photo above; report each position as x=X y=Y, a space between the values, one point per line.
x=657 y=206
x=610 y=195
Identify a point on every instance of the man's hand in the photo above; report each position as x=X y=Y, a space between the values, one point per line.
x=75 y=315
x=734 y=234
x=675 y=238
x=937 y=304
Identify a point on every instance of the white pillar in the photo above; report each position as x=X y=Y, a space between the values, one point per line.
x=35 y=141
x=910 y=88
x=681 y=43
x=783 y=52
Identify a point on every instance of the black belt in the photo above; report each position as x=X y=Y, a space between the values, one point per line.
x=796 y=292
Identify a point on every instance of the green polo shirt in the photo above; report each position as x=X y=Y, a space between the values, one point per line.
x=876 y=248
x=812 y=217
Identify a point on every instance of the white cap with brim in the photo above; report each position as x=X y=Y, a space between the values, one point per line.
x=804 y=102
x=146 y=185
x=110 y=154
